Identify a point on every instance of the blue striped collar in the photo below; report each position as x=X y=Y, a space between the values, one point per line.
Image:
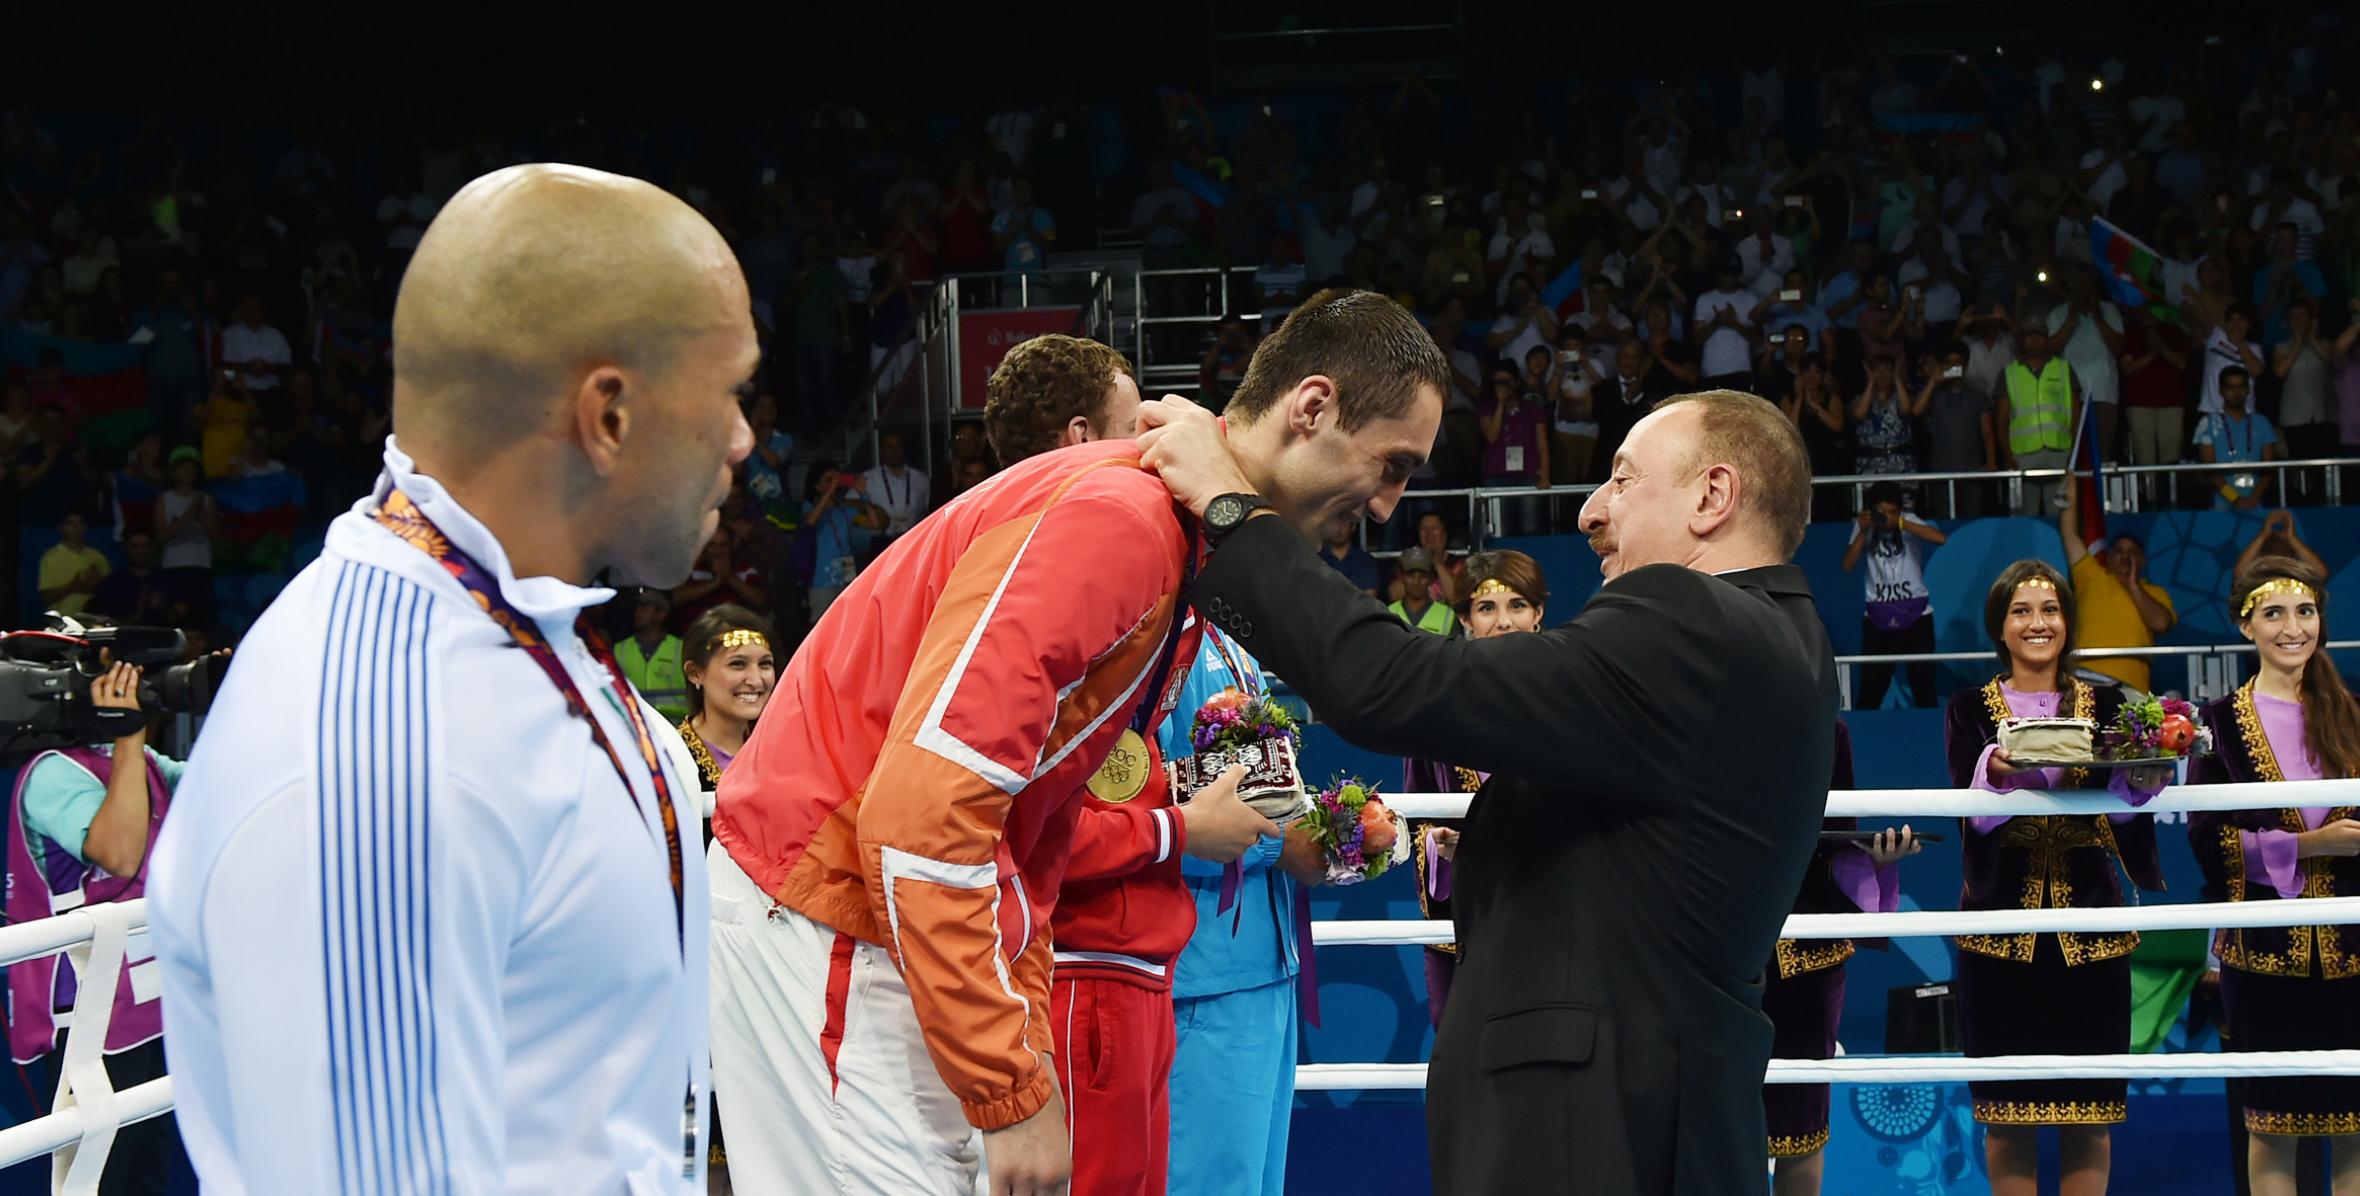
x=551 y=602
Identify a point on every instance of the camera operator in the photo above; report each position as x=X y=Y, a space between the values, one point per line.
x=81 y=830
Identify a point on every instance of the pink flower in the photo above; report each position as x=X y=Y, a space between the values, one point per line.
x=1232 y=701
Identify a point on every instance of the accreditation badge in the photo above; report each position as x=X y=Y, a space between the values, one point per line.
x=1124 y=775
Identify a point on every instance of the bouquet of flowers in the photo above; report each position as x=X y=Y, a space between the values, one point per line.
x=2152 y=728
x=1358 y=833
x=1258 y=733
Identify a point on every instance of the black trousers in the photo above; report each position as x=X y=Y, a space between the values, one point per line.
x=1875 y=678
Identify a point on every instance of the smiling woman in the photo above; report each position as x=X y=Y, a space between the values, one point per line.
x=2050 y=993
x=731 y=669
x=2285 y=988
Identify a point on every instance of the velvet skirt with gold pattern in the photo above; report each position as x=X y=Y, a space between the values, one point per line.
x=2295 y=1013
x=1804 y=1011
x=2044 y=1007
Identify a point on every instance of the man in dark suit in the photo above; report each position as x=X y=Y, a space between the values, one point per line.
x=1658 y=772
x=1620 y=401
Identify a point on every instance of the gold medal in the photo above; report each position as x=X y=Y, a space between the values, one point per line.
x=1124 y=775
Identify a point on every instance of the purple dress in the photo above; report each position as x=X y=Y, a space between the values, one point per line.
x=2283 y=988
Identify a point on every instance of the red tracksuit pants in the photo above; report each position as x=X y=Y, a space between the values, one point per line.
x=1114 y=1065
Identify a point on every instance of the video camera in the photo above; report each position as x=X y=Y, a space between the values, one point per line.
x=45 y=681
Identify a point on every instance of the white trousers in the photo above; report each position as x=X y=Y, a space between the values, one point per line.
x=819 y=1072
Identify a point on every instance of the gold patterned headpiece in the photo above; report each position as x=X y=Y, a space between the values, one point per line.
x=2276 y=585
x=2035 y=581
x=739 y=638
x=1490 y=586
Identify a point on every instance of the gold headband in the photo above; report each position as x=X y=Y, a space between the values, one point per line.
x=2037 y=582
x=2276 y=585
x=739 y=638
x=1490 y=586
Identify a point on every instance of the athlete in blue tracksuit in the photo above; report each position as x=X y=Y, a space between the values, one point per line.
x=1233 y=993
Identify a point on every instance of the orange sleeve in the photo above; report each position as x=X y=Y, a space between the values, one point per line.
x=991 y=717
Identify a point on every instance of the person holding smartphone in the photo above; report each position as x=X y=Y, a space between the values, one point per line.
x=1961 y=437
x=1573 y=434
x=1516 y=442
x=835 y=507
x=1900 y=609
x=1790 y=306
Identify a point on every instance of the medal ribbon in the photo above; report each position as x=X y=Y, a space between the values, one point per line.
x=1233 y=875
x=1144 y=719
x=399 y=515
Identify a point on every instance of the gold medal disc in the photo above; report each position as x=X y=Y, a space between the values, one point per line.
x=1124 y=775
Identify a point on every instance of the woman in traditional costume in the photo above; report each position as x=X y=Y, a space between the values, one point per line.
x=1506 y=594
x=1803 y=995
x=2286 y=988
x=2066 y=993
x=731 y=669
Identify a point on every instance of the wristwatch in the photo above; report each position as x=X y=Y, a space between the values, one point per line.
x=1226 y=512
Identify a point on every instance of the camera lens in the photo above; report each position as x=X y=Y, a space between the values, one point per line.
x=184 y=688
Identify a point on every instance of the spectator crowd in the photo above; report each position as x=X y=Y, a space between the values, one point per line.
x=1896 y=250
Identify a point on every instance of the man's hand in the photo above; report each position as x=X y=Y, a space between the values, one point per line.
x=1221 y=826
x=1182 y=443
x=1033 y=1157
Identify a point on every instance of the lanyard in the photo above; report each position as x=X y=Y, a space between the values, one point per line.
x=1251 y=683
x=885 y=479
x=2234 y=455
x=1144 y=719
x=402 y=517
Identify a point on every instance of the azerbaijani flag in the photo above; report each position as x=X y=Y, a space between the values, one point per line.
x=2089 y=489
x=2131 y=271
x=258 y=517
x=1564 y=295
x=106 y=377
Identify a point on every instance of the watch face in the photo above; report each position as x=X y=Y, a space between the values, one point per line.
x=1225 y=510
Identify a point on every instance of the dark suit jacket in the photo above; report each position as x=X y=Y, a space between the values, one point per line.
x=1618 y=408
x=1659 y=769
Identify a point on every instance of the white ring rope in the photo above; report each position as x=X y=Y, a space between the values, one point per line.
x=1926 y=1069
x=1921 y=1069
x=2315 y=911
x=1961 y=803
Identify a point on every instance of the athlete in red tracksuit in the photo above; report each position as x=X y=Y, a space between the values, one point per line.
x=1123 y=916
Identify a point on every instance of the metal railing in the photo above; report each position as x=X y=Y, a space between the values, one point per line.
x=1219 y=302
x=87 y=1112
x=2122 y=499
x=2213 y=669
x=924 y=365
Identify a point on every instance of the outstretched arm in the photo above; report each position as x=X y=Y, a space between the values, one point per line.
x=1619 y=668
